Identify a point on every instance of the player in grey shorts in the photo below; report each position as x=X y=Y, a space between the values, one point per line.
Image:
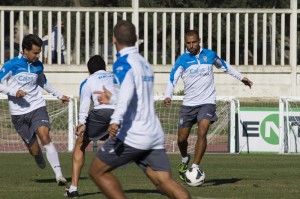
x=190 y=115
x=27 y=124
x=92 y=123
x=135 y=132
x=116 y=154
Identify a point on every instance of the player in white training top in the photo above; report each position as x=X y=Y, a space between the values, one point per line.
x=195 y=67
x=25 y=76
x=92 y=124
x=135 y=132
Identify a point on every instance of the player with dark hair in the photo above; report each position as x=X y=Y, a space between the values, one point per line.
x=25 y=75
x=135 y=132
x=92 y=124
x=195 y=67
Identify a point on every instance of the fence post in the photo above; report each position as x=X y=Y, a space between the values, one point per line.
x=293 y=45
x=135 y=17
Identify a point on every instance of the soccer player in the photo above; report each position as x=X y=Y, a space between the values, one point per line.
x=24 y=75
x=195 y=67
x=135 y=132
x=92 y=124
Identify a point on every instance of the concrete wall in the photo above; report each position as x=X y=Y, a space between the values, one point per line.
x=269 y=82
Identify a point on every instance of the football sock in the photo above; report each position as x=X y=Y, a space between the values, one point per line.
x=195 y=166
x=185 y=159
x=52 y=157
x=73 y=188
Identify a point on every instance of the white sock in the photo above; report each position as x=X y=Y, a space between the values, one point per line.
x=195 y=166
x=52 y=157
x=185 y=159
x=73 y=188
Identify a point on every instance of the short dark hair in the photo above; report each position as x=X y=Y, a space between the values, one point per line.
x=96 y=63
x=124 y=32
x=191 y=33
x=30 y=40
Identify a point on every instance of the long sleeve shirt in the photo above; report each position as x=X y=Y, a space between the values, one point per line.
x=140 y=127
x=95 y=82
x=196 y=72
x=18 y=74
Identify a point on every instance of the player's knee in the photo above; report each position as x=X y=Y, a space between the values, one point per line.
x=45 y=139
x=181 y=139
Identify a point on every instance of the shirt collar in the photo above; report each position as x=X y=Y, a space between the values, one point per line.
x=127 y=50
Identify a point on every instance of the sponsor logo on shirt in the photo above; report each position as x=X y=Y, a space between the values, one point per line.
x=205 y=58
x=25 y=79
x=105 y=76
x=197 y=71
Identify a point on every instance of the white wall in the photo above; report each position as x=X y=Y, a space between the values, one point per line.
x=269 y=82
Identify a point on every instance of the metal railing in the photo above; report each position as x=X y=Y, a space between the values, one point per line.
x=240 y=36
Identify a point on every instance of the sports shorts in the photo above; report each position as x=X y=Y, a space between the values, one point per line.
x=97 y=123
x=116 y=154
x=189 y=115
x=28 y=124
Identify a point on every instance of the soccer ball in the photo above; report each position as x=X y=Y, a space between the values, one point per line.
x=194 y=177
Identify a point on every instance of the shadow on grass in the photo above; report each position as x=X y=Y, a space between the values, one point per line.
x=143 y=191
x=54 y=180
x=89 y=194
x=216 y=182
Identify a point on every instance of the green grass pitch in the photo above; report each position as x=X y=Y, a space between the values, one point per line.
x=227 y=176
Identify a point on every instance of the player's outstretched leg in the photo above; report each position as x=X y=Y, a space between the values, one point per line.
x=183 y=134
x=78 y=160
x=36 y=152
x=167 y=185
x=109 y=185
x=51 y=154
x=53 y=159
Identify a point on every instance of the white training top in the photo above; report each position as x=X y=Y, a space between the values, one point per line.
x=95 y=82
x=29 y=77
x=140 y=127
x=197 y=74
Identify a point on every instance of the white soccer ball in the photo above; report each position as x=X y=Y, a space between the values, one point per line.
x=194 y=177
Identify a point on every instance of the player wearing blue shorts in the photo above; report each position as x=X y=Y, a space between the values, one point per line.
x=195 y=67
x=135 y=131
x=25 y=76
x=92 y=124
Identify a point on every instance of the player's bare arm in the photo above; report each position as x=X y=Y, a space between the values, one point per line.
x=20 y=93
x=247 y=82
x=167 y=102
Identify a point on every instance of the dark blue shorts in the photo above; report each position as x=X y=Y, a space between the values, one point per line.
x=27 y=124
x=116 y=154
x=97 y=123
x=189 y=115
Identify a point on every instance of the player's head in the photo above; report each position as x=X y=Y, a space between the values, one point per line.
x=96 y=63
x=124 y=33
x=31 y=46
x=192 y=41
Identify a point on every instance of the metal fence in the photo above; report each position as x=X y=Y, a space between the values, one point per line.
x=257 y=37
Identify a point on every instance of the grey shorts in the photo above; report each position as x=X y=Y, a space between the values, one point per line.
x=116 y=154
x=97 y=123
x=189 y=115
x=27 y=124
